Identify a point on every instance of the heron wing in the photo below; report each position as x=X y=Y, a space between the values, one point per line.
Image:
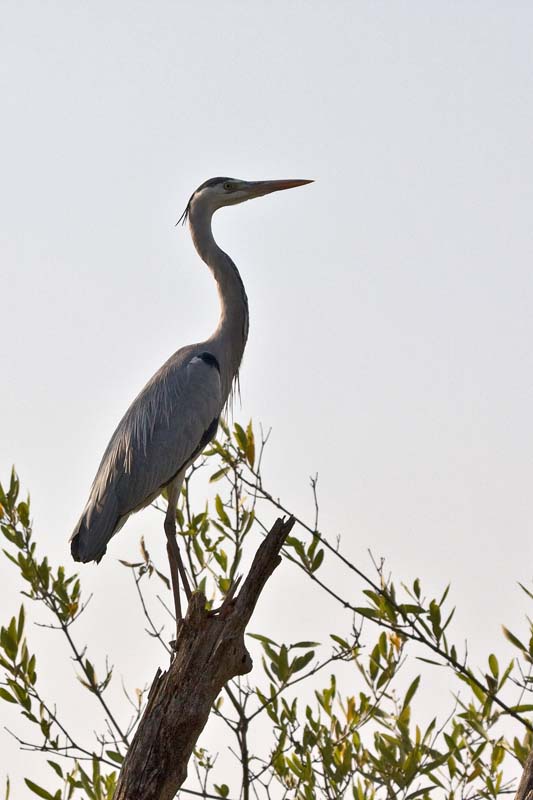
x=164 y=429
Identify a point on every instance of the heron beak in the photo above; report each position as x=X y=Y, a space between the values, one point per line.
x=259 y=188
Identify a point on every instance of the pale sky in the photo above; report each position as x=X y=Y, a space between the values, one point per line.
x=391 y=301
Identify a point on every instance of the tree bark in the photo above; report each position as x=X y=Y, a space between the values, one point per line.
x=209 y=651
x=525 y=789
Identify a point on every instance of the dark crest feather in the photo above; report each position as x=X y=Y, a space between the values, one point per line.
x=185 y=216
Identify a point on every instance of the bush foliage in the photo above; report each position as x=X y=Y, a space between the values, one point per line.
x=326 y=719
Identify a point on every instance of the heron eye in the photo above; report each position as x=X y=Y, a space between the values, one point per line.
x=228 y=186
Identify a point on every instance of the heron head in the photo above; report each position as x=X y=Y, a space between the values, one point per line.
x=219 y=192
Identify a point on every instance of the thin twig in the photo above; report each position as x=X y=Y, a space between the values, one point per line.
x=155 y=633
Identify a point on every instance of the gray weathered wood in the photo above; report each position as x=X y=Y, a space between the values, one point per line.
x=525 y=789
x=209 y=651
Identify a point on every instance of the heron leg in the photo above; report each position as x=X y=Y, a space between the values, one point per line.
x=177 y=570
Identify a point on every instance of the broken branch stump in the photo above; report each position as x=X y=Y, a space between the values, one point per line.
x=209 y=651
x=525 y=789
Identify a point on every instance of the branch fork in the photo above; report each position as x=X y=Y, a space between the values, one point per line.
x=209 y=651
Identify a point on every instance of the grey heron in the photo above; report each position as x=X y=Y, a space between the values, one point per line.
x=176 y=415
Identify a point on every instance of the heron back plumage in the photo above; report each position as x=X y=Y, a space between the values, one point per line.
x=167 y=425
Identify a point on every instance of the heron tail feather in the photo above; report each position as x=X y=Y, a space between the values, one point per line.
x=96 y=526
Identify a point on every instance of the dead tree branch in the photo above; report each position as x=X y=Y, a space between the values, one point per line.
x=525 y=789
x=209 y=651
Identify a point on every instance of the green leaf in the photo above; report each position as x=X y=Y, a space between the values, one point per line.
x=371 y=613
x=529 y=594
x=430 y=661
x=4 y=694
x=13 y=488
x=250 y=448
x=305 y=644
x=118 y=758
x=20 y=625
x=411 y=608
x=198 y=552
x=38 y=790
x=317 y=561
x=434 y=615
x=163 y=578
x=301 y=662
x=411 y=691
x=493 y=664
x=513 y=639
x=521 y=709
x=219 y=505
x=222 y=789
x=56 y=768
x=90 y=673
x=507 y=673
x=283 y=663
x=8 y=640
x=24 y=514
x=216 y=476
x=221 y=558
x=240 y=436
x=263 y=639
x=341 y=642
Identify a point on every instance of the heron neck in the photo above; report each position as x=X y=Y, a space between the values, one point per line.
x=229 y=339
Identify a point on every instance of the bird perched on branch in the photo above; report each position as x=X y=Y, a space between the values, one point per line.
x=176 y=414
